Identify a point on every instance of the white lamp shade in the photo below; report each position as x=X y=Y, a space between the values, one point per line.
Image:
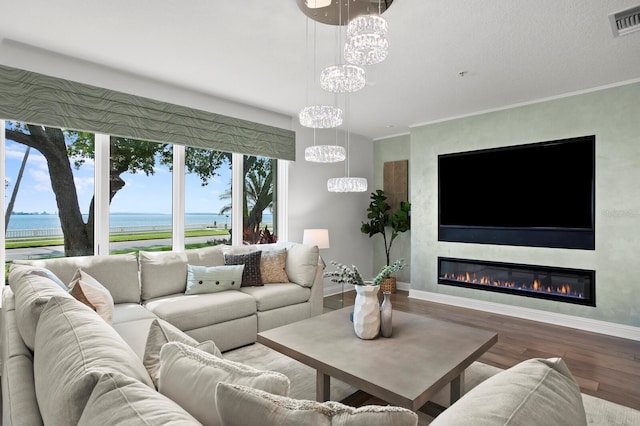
x=316 y=237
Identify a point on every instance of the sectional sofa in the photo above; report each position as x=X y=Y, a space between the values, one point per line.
x=157 y=356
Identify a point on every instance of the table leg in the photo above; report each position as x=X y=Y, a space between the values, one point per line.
x=322 y=386
x=457 y=386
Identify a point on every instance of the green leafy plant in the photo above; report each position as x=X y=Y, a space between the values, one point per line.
x=381 y=219
x=344 y=274
x=386 y=271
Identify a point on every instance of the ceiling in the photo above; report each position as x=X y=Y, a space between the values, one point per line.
x=255 y=52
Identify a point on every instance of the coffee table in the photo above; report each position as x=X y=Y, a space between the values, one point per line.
x=421 y=357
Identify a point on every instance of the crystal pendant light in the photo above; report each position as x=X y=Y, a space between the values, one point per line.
x=347 y=184
x=342 y=78
x=366 y=40
x=321 y=116
x=325 y=153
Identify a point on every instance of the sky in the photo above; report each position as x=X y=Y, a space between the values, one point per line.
x=141 y=194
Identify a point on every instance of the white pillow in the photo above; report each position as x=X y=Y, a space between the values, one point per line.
x=89 y=291
x=43 y=272
x=161 y=332
x=189 y=377
x=245 y=406
x=211 y=279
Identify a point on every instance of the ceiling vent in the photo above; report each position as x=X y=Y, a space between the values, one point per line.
x=625 y=22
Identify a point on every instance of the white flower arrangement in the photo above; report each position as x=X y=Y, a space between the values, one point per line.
x=386 y=271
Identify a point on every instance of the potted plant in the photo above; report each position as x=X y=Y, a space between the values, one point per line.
x=380 y=221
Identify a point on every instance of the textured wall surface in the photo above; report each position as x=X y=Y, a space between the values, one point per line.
x=613 y=115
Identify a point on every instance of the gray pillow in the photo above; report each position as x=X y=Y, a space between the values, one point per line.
x=120 y=400
x=245 y=406
x=535 y=392
x=189 y=377
x=212 y=279
x=161 y=332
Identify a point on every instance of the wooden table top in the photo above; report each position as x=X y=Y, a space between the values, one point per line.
x=407 y=369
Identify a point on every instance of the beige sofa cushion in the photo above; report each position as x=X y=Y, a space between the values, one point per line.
x=515 y=397
x=277 y=295
x=206 y=256
x=188 y=312
x=120 y=400
x=189 y=377
x=73 y=348
x=245 y=406
x=162 y=273
x=118 y=272
x=20 y=407
x=31 y=292
x=161 y=332
x=302 y=264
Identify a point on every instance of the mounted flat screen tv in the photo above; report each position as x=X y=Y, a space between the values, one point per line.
x=540 y=195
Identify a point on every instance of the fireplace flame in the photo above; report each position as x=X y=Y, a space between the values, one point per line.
x=535 y=286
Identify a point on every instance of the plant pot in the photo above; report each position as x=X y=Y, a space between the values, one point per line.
x=388 y=284
x=366 y=312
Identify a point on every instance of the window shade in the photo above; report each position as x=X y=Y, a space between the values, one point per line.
x=40 y=99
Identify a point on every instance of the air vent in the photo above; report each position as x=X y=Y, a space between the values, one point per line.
x=625 y=22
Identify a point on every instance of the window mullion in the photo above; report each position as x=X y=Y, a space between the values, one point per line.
x=237 y=193
x=101 y=195
x=178 y=208
x=2 y=191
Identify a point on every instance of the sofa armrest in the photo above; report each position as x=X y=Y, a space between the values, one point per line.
x=317 y=291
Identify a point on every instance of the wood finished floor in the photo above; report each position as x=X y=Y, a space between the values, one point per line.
x=604 y=366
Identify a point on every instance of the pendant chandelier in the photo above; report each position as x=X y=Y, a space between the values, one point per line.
x=342 y=78
x=366 y=40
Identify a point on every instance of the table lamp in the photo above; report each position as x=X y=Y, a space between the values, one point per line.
x=317 y=237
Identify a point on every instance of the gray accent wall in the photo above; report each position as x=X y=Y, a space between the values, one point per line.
x=613 y=116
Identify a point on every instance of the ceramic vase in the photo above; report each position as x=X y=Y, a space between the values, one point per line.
x=385 y=315
x=366 y=312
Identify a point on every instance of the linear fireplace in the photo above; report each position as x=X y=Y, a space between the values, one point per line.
x=553 y=283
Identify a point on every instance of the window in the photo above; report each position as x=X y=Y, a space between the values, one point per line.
x=259 y=200
x=207 y=189
x=51 y=199
x=49 y=191
x=140 y=212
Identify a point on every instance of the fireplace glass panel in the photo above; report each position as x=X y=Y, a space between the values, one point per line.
x=553 y=283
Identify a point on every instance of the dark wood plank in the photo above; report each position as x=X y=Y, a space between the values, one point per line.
x=604 y=366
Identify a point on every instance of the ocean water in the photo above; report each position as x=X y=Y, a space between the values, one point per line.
x=51 y=221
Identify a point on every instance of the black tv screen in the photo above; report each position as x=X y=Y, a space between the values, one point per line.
x=539 y=194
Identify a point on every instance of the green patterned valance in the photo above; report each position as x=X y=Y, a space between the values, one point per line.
x=36 y=98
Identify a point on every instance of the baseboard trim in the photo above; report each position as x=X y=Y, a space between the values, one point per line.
x=595 y=326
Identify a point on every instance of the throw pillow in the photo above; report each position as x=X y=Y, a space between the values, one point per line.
x=240 y=405
x=89 y=291
x=189 y=377
x=203 y=279
x=43 y=272
x=272 y=266
x=251 y=261
x=120 y=400
x=521 y=390
x=161 y=332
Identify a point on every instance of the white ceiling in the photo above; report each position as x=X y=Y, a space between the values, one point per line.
x=254 y=51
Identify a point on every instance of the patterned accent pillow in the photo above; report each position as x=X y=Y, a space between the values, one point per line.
x=272 y=266
x=251 y=261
